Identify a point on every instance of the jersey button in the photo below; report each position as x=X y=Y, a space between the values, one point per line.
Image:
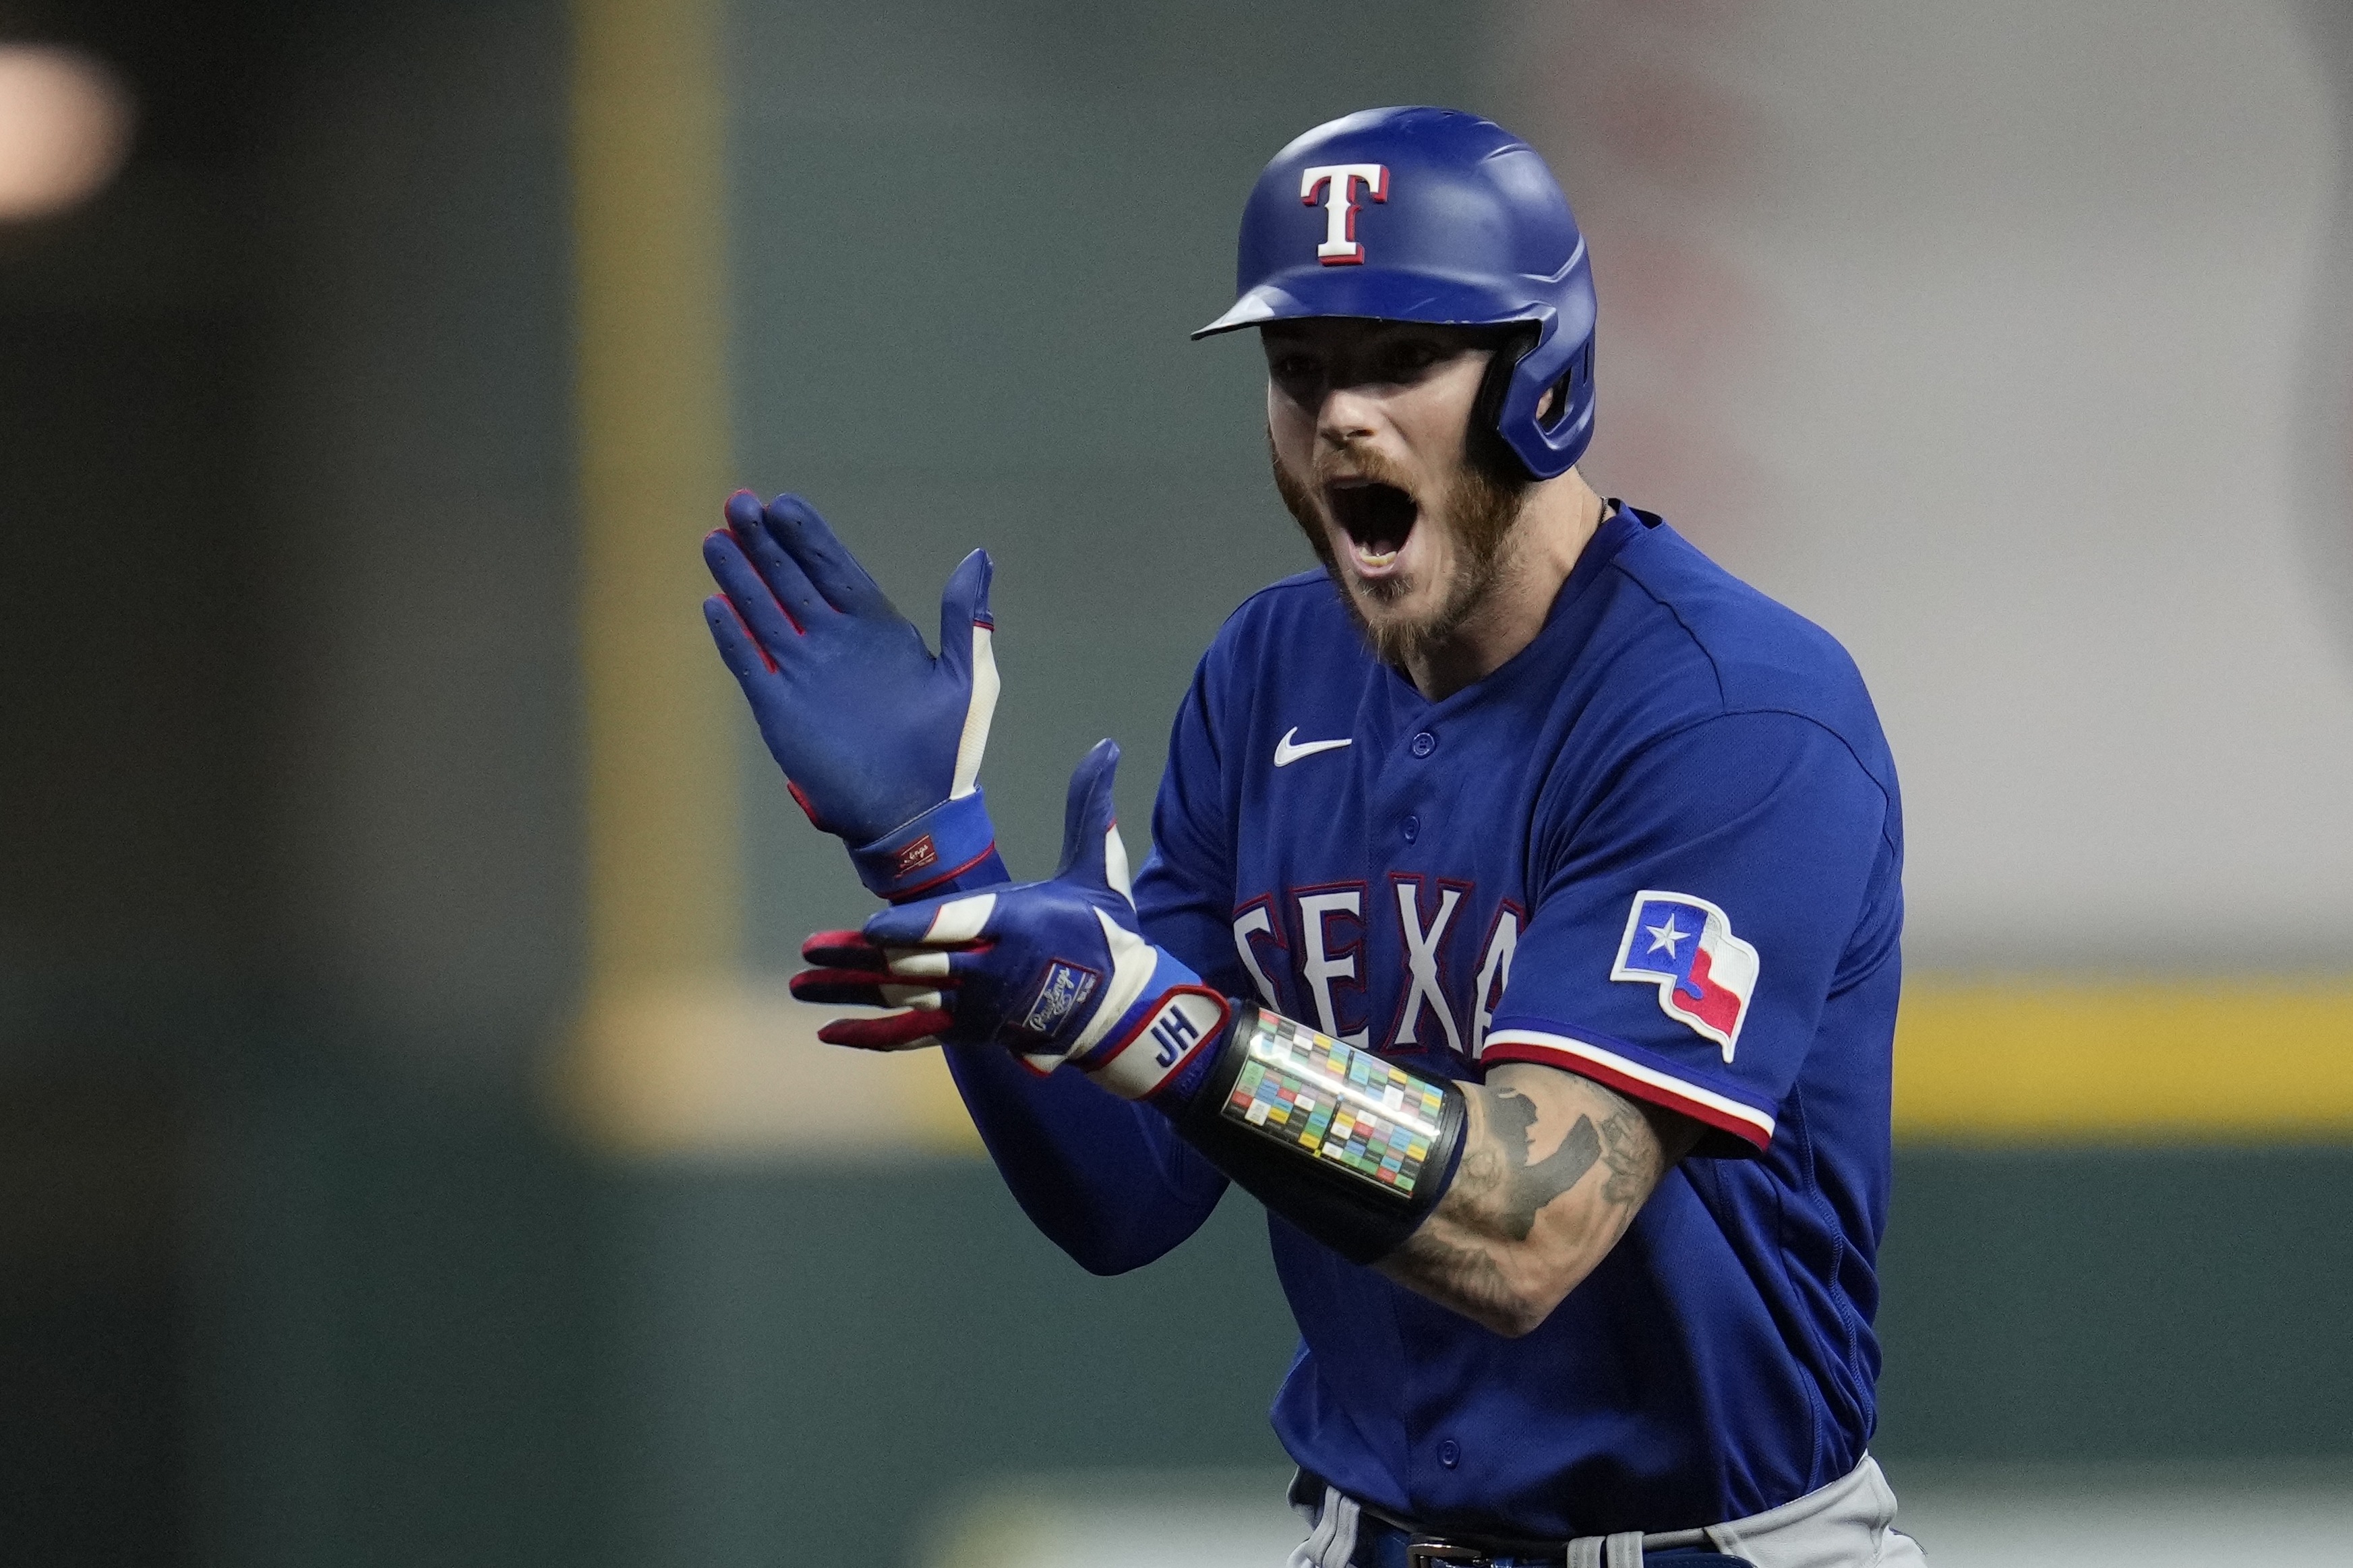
x=1412 y=829
x=1424 y=743
x=1450 y=1453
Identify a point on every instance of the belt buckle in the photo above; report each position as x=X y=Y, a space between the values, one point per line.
x=1426 y=1551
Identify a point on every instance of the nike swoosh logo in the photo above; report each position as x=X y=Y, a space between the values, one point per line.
x=1285 y=753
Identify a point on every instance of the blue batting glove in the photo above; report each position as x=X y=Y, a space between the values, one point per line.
x=881 y=741
x=1055 y=971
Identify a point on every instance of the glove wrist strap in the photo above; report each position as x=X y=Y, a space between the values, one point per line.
x=951 y=847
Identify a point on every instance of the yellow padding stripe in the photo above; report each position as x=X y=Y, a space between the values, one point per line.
x=2124 y=1060
x=664 y=853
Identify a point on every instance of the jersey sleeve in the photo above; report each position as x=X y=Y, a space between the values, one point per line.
x=1185 y=889
x=1106 y=1179
x=1109 y=1180
x=1694 y=919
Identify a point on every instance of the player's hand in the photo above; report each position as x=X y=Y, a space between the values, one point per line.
x=1054 y=971
x=874 y=732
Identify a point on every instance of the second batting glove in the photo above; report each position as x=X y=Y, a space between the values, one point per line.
x=1054 y=971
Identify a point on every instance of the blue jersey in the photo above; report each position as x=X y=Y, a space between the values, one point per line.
x=1661 y=847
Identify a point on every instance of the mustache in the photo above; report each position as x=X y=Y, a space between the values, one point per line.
x=1355 y=459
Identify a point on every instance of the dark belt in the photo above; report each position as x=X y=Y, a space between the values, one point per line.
x=1385 y=1541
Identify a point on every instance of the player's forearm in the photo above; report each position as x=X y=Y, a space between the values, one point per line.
x=1105 y=1182
x=1554 y=1169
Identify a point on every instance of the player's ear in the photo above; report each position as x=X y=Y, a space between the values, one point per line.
x=1090 y=839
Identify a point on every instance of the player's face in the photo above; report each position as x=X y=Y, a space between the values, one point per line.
x=1369 y=423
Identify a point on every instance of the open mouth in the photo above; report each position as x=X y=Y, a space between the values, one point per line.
x=1377 y=518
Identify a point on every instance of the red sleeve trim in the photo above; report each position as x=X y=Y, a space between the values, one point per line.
x=1629 y=1076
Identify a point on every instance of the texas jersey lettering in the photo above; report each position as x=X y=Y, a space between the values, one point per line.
x=1309 y=954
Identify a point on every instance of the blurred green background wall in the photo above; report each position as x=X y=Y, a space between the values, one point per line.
x=298 y=1265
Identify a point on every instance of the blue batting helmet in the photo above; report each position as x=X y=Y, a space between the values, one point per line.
x=1430 y=214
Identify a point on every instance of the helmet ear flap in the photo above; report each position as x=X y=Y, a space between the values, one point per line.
x=1486 y=447
x=1562 y=392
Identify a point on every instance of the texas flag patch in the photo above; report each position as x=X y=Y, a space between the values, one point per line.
x=1684 y=945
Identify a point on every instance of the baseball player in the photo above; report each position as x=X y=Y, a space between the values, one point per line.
x=1520 y=926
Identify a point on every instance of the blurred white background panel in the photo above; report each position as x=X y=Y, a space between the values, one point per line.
x=2014 y=1517
x=1983 y=335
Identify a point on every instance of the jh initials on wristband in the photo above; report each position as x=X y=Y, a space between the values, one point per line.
x=1154 y=1044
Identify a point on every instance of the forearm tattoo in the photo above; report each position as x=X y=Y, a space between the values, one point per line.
x=1490 y=1209
x=1511 y=1185
x=1630 y=1148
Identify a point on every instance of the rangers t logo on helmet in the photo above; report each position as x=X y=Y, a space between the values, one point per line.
x=1704 y=973
x=1340 y=247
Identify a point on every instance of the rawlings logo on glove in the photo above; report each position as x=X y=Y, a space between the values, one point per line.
x=1054 y=971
